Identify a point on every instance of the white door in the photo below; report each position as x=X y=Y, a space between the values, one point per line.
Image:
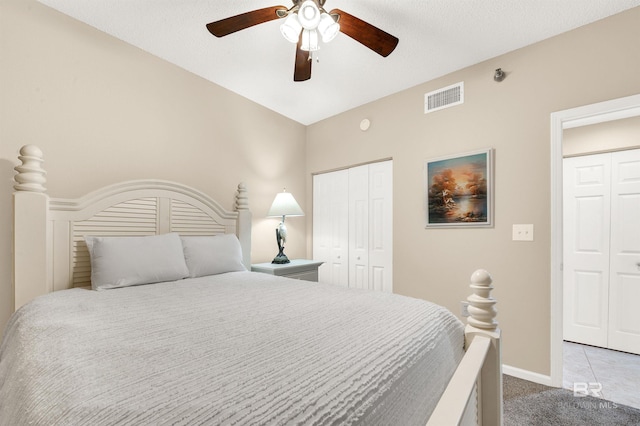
x=381 y=226
x=353 y=226
x=371 y=226
x=624 y=285
x=359 y=227
x=331 y=226
x=586 y=248
x=602 y=250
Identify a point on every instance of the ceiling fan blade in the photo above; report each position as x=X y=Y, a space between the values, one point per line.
x=374 y=38
x=232 y=24
x=302 y=71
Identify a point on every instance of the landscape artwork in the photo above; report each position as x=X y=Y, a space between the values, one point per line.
x=458 y=190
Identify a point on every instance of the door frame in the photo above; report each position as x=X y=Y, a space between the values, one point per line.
x=575 y=117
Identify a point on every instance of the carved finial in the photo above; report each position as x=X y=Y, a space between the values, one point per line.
x=481 y=310
x=242 y=198
x=31 y=175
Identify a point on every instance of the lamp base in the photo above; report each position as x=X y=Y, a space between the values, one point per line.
x=280 y=259
x=281 y=233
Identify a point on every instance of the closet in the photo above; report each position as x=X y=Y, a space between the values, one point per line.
x=601 y=271
x=353 y=224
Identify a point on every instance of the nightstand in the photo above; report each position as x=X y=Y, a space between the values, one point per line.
x=300 y=269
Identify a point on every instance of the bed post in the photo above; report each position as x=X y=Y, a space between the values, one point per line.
x=479 y=373
x=481 y=322
x=244 y=224
x=30 y=260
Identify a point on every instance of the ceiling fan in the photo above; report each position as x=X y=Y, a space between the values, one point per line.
x=305 y=23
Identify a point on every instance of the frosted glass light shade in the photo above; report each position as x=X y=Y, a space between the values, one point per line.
x=328 y=28
x=285 y=205
x=291 y=28
x=309 y=15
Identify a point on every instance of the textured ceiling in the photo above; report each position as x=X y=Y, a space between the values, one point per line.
x=436 y=38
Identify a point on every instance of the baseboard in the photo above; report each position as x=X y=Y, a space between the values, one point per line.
x=527 y=375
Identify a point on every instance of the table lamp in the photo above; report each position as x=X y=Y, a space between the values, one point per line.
x=283 y=205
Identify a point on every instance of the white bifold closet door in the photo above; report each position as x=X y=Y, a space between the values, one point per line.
x=602 y=250
x=352 y=226
x=331 y=226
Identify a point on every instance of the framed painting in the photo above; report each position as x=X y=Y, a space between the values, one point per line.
x=459 y=190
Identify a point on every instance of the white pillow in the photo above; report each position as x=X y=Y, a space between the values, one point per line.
x=125 y=261
x=212 y=255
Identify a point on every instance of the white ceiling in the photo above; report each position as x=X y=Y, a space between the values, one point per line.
x=436 y=37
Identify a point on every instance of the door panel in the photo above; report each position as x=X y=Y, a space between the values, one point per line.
x=624 y=285
x=586 y=248
x=590 y=289
x=602 y=250
x=381 y=226
x=359 y=227
x=378 y=279
x=331 y=226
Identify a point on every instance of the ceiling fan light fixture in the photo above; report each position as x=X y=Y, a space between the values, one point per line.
x=328 y=28
x=305 y=24
x=291 y=28
x=309 y=40
x=309 y=15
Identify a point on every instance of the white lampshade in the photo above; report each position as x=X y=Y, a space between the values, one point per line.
x=328 y=28
x=309 y=15
x=285 y=205
x=291 y=28
x=310 y=40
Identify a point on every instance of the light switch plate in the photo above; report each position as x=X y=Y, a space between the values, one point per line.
x=523 y=232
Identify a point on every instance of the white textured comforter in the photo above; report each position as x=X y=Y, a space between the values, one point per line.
x=239 y=348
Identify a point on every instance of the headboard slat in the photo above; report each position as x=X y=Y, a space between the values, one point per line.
x=187 y=219
x=136 y=217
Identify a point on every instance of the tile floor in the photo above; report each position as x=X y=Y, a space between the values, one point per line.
x=617 y=372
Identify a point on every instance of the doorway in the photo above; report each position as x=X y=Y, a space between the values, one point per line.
x=575 y=117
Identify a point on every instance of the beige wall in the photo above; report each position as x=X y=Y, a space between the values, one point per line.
x=103 y=111
x=513 y=117
x=609 y=136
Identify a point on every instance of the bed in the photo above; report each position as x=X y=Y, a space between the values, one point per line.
x=199 y=339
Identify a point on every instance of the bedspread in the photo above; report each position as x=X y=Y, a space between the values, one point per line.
x=239 y=348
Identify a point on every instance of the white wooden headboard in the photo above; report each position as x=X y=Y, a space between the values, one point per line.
x=49 y=249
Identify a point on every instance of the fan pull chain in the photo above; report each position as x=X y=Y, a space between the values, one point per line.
x=310 y=58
